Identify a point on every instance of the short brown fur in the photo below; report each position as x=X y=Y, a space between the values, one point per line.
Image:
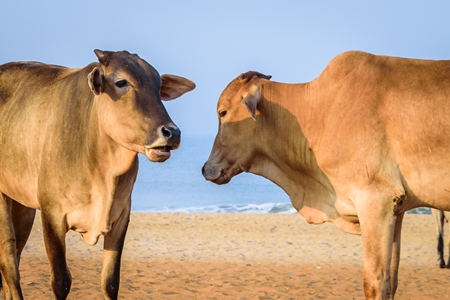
x=358 y=146
x=69 y=140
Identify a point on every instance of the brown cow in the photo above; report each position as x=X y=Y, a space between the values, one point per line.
x=358 y=146
x=69 y=140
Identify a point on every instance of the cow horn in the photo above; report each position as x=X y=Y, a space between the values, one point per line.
x=251 y=74
x=100 y=54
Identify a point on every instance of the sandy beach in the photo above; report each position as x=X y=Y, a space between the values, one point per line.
x=237 y=256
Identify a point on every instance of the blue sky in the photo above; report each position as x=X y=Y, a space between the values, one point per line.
x=211 y=42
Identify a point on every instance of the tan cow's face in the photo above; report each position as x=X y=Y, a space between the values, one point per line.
x=235 y=147
x=129 y=93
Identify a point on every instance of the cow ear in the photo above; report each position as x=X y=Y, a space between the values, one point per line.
x=173 y=86
x=100 y=54
x=95 y=81
x=251 y=101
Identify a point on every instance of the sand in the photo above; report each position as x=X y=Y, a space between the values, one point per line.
x=237 y=256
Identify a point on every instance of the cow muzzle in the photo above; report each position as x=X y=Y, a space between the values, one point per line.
x=157 y=154
x=215 y=174
x=169 y=137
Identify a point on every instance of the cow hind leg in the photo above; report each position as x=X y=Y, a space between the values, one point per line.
x=440 y=251
x=9 y=264
x=446 y=220
x=55 y=246
x=438 y=216
x=23 y=219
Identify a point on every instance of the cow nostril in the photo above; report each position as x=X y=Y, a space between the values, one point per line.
x=166 y=132
x=171 y=133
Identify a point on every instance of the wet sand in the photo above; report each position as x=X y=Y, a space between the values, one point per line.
x=237 y=256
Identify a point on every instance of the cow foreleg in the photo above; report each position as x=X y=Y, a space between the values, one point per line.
x=9 y=264
x=378 y=227
x=112 y=253
x=55 y=245
x=395 y=261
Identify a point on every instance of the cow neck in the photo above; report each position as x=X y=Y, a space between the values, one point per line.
x=290 y=161
x=302 y=102
x=109 y=156
x=107 y=162
x=87 y=165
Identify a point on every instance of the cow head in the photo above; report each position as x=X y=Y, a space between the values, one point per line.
x=128 y=92
x=234 y=148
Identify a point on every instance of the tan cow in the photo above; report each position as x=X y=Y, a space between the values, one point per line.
x=69 y=140
x=440 y=217
x=358 y=146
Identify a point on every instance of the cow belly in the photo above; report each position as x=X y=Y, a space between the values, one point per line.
x=430 y=189
x=21 y=191
x=437 y=196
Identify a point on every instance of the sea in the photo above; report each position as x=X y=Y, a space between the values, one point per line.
x=177 y=185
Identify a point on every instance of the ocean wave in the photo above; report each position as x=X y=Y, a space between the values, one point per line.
x=420 y=211
x=265 y=208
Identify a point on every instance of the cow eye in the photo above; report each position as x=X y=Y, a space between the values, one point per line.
x=121 y=83
x=222 y=113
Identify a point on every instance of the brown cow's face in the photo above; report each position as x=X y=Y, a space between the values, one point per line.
x=234 y=148
x=131 y=113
